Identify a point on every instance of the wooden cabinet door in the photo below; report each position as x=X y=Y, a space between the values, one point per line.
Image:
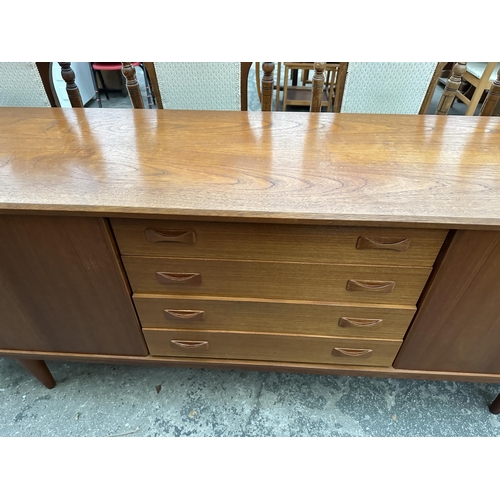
x=457 y=326
x=62 y=288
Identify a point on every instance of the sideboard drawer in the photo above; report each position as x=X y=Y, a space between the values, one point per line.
x=340 y=320
x=271 y=347
x=279 y=242
x=277 y=280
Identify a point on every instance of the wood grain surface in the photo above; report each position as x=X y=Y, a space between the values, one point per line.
x=62 y=288
x=341 y=320
x=275 y=280
x=440 y=171
x=457 y=327
x=278 y=366
x=272 y=347
x=292 y=242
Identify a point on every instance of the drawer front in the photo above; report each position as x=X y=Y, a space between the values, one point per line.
x=271 y=347
x=294 y=243
x=277 y=280
x=336 y=320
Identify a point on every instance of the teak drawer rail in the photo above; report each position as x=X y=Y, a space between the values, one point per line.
x=292 y=243
x=271 y=347
x=277 y=280
x=339 y=320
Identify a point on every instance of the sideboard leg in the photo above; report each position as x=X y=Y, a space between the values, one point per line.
x=495 y=406
x=39 y=370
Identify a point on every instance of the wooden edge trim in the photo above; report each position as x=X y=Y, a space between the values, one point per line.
x=292 y=218
x=245 y=69
x=356 y=371
x=153 y=80
x=339 y=86
x=430 y=89
x=45 y=70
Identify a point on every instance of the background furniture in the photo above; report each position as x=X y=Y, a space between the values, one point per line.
x=200 y=86
x=300 y=95
x=480 y=75
x=30 y=84
x=99 y=67
x=491 y=105
x=385 y=87
x=22 y=85
x=278 y=87
x=83 y=80
x=218 y=216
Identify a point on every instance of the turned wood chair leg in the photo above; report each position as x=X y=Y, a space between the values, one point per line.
x=495 y=406
x=39 y=370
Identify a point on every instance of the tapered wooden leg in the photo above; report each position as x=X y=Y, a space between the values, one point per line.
x=495 y=406
x=39 y=370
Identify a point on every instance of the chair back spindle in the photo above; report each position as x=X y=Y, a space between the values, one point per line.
x=71 y=88
x=491 y=105
x=133 y=87
x=267 y=86
x=451 y=88
x=318 y=83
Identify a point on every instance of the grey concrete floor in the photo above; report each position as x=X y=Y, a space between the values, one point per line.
x=113 y=400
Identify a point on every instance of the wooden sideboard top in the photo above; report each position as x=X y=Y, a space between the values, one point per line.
x=290 y=167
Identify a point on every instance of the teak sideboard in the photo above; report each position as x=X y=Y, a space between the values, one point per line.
x=318 y=243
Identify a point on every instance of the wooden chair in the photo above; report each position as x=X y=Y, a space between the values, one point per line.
x=387 y=88
x=29 y=84
x=277 y=86
x=213 y=85
x=480 y=75
x=99 y=67
x=300 y=95
x=316 y=92
x=491 y=105
x=215 y=97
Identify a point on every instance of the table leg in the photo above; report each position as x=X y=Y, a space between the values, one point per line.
x=495 y=406
x=39 y=370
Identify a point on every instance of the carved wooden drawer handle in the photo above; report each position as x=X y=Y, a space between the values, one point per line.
x=383 y=243
x=165 y=278
x=370 y=286
x=170 y=235
x=354 y=322
x=350 y=351
x=201 y=345
x=184 y=315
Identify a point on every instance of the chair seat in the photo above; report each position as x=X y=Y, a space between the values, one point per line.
x=110 y=66
x=477 y=69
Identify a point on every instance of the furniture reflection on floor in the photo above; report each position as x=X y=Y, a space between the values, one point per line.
x=229 y=251
x=480 y=75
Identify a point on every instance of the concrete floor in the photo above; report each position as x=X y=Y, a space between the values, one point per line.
x=116 y=400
